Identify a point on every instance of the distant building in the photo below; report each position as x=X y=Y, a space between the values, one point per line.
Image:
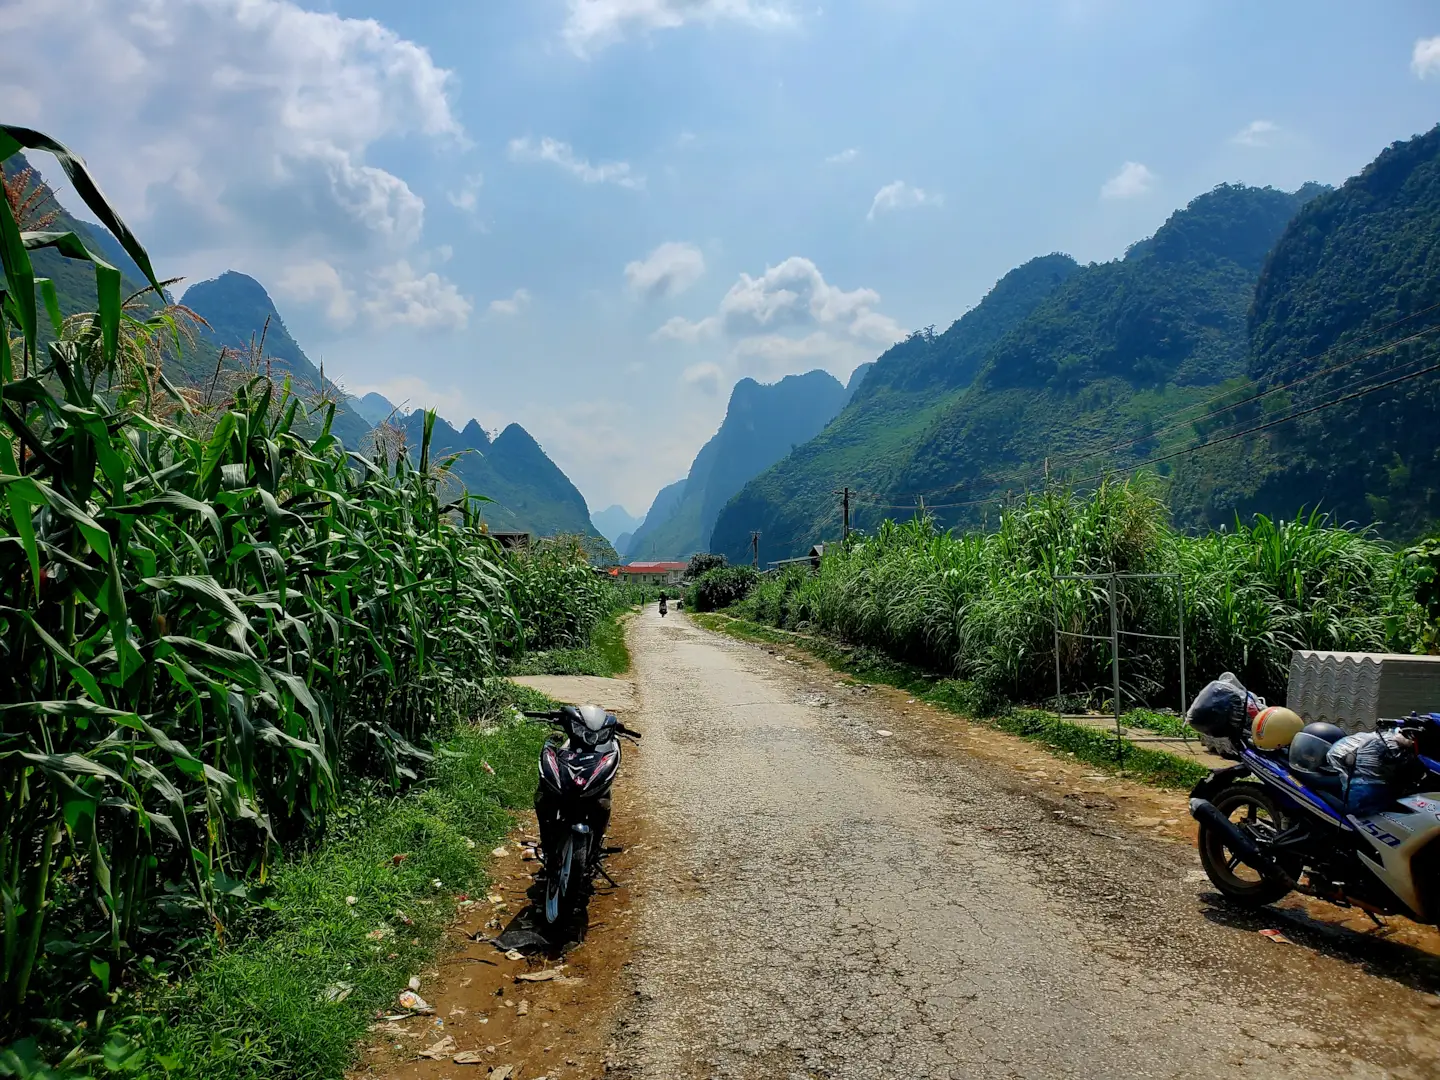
x=652 y=573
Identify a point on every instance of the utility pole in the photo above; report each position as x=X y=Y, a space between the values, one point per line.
x=755 y=550
x=922 y=508
x=845 y=506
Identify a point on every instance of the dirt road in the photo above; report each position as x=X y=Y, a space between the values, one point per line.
x=821 y=899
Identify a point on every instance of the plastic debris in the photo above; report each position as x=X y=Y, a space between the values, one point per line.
x=415 y=1003
x=396 y=860
x=414 y=983
x=514 y=954
x=442 y=1049
x=883 y=733
x=435 y=883
x=495 y=898
x=523 y=1009
x=351 y=900
x=470 y=843
x=540 y=976
x=486 y=766
x=501 y=1072
x=500 y=852
x=404 y=918
x=1276 y=936
x=380 y=933
x=469 y=1057
x=337 y=992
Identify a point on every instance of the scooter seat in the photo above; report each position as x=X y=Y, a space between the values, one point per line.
x=1327 y=785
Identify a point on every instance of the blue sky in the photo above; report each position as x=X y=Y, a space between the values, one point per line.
x=594 y=216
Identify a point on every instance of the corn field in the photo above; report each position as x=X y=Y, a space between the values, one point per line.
x=981 y=606
x=211 y=626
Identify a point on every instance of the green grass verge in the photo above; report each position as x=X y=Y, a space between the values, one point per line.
x=1091 y=745
x=606 y=655
x=259 y=1008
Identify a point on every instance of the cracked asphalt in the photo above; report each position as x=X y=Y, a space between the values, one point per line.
x=819 y=900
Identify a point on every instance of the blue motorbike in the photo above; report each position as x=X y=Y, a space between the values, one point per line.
x=1280 y=821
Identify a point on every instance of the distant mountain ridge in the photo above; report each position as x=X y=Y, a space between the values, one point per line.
x=527 y=491
x=762 y=423
x=240 y=311
x=1056 y=361
x=614 y=522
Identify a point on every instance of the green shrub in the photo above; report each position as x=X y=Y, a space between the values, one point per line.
x=980 y=606
x=701 y=563
x=721 y=587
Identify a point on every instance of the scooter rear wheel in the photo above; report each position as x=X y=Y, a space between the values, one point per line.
x=1254 y=810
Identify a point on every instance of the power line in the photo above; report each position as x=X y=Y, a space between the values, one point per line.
x=1213 y=442
x=1180 y=421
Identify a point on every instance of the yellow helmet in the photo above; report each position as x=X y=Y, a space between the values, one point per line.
x=1273 y=728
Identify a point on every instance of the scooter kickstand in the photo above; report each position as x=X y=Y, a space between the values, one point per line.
x=603 y=873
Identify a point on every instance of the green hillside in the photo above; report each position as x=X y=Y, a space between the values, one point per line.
x=1356 y=270
x=529 y=493
x=74 y=279
x=791 y=503
x=239 y=310
x=762 y=424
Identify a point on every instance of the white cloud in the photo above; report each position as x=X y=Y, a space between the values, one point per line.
x=1256 y=133
x=511 y=304
x=562 y=154
x=401 y=296
x=901 y=196
x=844 y=157
x=233 y=121
x=785 y=320
x=707 y=376
x=772 y=356
x=681 y=329
x=467 y=198
x=1425 y=60
x=1132 y=180
x=793 y=293
x=667 y=271
x=593 y=24
x=317 y=282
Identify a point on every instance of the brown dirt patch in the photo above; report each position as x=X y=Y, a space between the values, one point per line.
x=559 y=1028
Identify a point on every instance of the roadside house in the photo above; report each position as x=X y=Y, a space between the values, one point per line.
x=652 y=573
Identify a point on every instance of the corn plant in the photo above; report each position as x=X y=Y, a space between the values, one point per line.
x=210 y=626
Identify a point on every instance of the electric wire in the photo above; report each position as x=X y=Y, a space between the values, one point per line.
x=1180 y=420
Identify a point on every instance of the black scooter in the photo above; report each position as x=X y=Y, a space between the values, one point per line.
x=572 y=804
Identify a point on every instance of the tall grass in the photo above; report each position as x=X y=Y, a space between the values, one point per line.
x=212 y=627
x=981 y=606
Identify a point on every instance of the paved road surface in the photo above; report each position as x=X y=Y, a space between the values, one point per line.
x=822 y=901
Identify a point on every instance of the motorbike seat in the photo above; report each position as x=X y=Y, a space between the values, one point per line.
x=1326 y=784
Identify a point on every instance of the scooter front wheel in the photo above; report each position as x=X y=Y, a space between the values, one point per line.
x=557 y=881
x=562 y=885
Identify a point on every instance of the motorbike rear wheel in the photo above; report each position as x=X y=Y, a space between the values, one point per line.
x=1254 y=810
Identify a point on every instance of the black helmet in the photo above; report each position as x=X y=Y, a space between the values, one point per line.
x=1309 y=748
x=1219 y=709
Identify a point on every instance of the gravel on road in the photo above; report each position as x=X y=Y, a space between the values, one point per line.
x=831 y=890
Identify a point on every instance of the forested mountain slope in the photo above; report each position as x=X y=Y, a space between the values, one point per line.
x=529 y=492
x=762 y=424
x=791 y=503
x=1106 y=359
x=1357 y=270
x=240 y=311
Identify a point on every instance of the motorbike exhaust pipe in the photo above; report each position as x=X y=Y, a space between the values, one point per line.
x=1203 y=810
